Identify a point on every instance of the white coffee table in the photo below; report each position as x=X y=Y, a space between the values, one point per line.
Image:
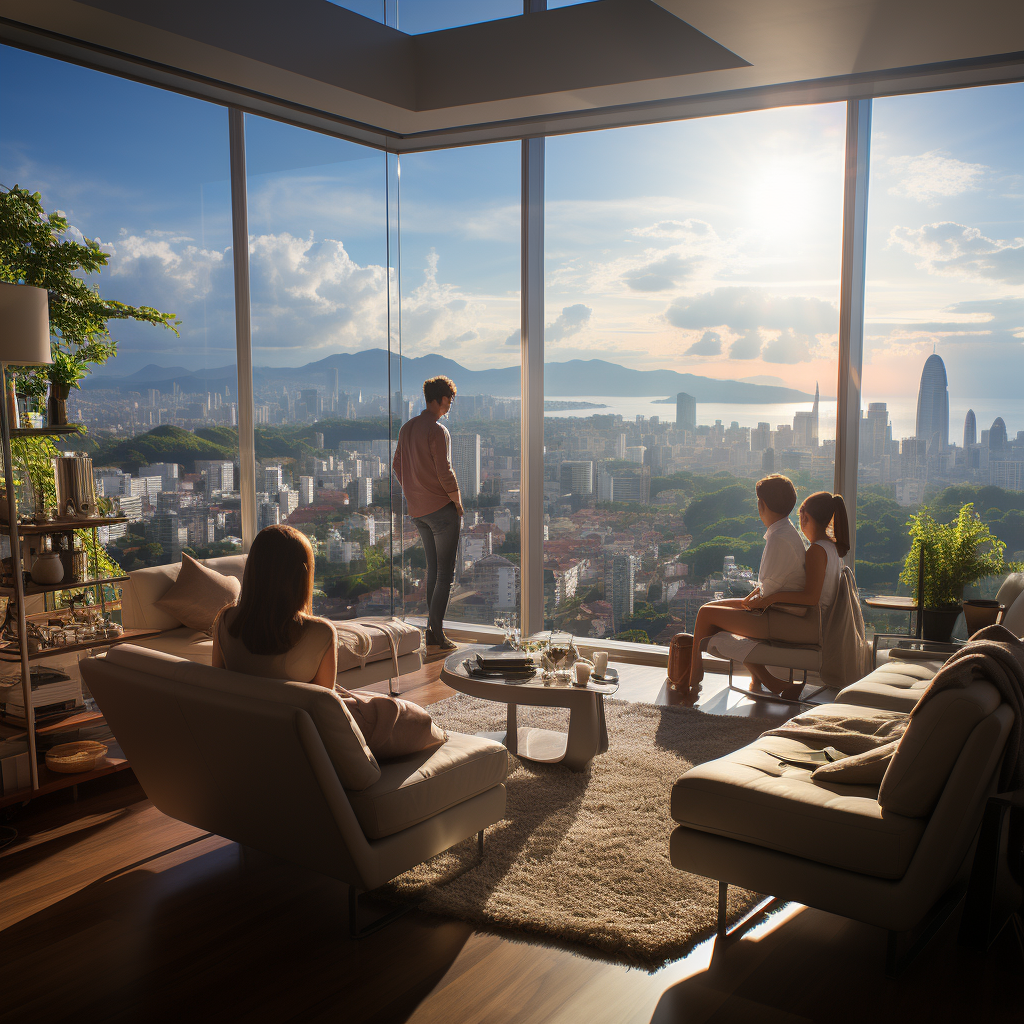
x=587 y=735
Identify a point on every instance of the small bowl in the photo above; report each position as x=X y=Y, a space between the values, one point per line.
x=80 y=756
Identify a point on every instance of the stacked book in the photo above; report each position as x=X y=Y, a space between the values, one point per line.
x=53 y=694
x=502 y=664
x=15 y=774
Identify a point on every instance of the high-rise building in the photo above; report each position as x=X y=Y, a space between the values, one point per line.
x=933 y=405
x=333 y=378
x=466 y=463
x=686 y=412
x=874 y=433
x=268 y=513
x=970 y=429
x=997 y=435
x=635 y=453
x=619 y=584
x=805 y=425
x=576 y=478
x=272 y=479
x=167 y=471
x=165 y=529
x=768 y=460
x=220 y=475
x=310 y=398
x=288 y=501
x=761 y=437
x=305 y=490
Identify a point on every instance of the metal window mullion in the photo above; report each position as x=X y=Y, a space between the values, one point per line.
x=243 y=327
x=531 y=462
x=851 y=307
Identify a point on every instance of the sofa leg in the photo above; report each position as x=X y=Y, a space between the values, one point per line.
x=354 y=931
x=895 y=962
x=724 y=933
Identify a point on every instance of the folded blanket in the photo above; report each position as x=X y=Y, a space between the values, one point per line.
x=390 y=726
x=850 y=734
x=366 y=640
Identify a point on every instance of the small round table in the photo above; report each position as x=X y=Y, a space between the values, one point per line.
x=587 y=735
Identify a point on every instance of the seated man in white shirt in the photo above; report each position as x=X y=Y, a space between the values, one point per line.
x=782 y=569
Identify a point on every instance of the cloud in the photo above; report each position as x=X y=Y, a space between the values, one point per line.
x=747 y=346
x=743 y=309
x=570 y=321
x=932 y=176
x=515 y=338
x=991 y=320
x=660 y=275
x=710 y=344
x=950 y=249
x=787 y=347
x=676 y=229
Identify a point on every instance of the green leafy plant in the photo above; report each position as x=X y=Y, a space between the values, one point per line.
x=35 y=249
x=66 y=370
x=956 y=555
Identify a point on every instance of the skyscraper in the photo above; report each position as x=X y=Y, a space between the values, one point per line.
x=576 y=478
x=970 y=429
x=933 y=405
x=619 y=582
x=466 y=463
x=686 y=412
x=805 y=425
x=997 y=435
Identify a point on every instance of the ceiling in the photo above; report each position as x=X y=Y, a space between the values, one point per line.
x=599 y=64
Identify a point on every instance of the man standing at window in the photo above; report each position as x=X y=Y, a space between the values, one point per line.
x=423 y=466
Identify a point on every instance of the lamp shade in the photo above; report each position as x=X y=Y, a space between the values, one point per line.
x=24 y=325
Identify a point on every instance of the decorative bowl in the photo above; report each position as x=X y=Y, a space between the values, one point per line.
x=80 y=756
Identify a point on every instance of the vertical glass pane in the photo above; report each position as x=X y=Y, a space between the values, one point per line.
x=145 y=174
x=317 y=258
x=943 y=413
x=460 y=317
x=691 y=346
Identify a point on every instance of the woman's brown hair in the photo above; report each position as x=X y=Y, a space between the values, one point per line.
x=829 y=511
x=277 y=591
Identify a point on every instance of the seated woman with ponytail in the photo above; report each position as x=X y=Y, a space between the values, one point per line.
x=272 y=633
x=825 y=524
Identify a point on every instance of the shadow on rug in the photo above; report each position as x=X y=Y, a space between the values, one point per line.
x=583 y=858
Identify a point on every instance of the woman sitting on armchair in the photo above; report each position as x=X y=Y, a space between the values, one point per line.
x=272 y=633
x=824 y=522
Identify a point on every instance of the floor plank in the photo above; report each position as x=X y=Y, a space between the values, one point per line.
x=106 y=916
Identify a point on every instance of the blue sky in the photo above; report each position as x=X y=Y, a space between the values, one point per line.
x=708 y=246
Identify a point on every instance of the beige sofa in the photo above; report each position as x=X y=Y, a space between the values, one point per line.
x=139 y=611
x=885 y=855
x=282 y=767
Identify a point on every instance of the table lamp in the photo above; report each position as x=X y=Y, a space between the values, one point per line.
x=24 y=331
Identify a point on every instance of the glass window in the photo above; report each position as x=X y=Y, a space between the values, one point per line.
x=418 y=16
x=317 y=264
x=942 y=411
x=460 y=316
x=145 y=174
x=691 y=347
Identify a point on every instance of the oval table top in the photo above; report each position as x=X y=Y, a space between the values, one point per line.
x=532 y=690
x=893 y=603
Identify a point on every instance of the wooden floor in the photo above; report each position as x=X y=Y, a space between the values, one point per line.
x=113 y=912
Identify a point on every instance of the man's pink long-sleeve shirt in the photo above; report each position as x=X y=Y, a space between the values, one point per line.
x=423 y=465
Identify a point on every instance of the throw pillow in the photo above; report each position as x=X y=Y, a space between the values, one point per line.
x=867 y=769
x=198 y=594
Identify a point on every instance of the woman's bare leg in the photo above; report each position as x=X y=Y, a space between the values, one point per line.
x=717 y=616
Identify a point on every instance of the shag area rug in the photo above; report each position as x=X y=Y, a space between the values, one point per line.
x=583 y=858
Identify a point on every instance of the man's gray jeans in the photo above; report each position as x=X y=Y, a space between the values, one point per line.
x=440 y=532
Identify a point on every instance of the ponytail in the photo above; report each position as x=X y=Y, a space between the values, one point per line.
x=829 y=510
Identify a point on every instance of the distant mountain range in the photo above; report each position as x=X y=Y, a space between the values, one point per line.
x=368 y=371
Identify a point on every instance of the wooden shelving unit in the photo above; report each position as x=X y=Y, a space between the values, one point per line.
x=42 y=779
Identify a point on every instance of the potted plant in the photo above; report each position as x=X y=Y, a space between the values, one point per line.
x=63 y=373
x=956 y=555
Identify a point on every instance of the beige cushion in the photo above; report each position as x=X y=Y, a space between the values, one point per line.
x=408 y=640
x=356 y=766
x=199 y=593
x=140 y=594
x=750 y=796
x=931 y=745
x=414 y=788
x=193 y=644
x=1011 y=589
x=894 y=686
x=227 y=565
x=1013 y=619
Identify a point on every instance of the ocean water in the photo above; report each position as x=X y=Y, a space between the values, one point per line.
x=902 y=413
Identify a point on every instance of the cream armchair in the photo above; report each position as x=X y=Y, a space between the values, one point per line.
x=283 y=768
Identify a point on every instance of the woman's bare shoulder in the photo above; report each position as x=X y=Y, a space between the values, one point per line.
x=314 y=626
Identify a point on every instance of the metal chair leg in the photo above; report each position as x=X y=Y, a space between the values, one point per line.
x=726 y=933
x=355 y=932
